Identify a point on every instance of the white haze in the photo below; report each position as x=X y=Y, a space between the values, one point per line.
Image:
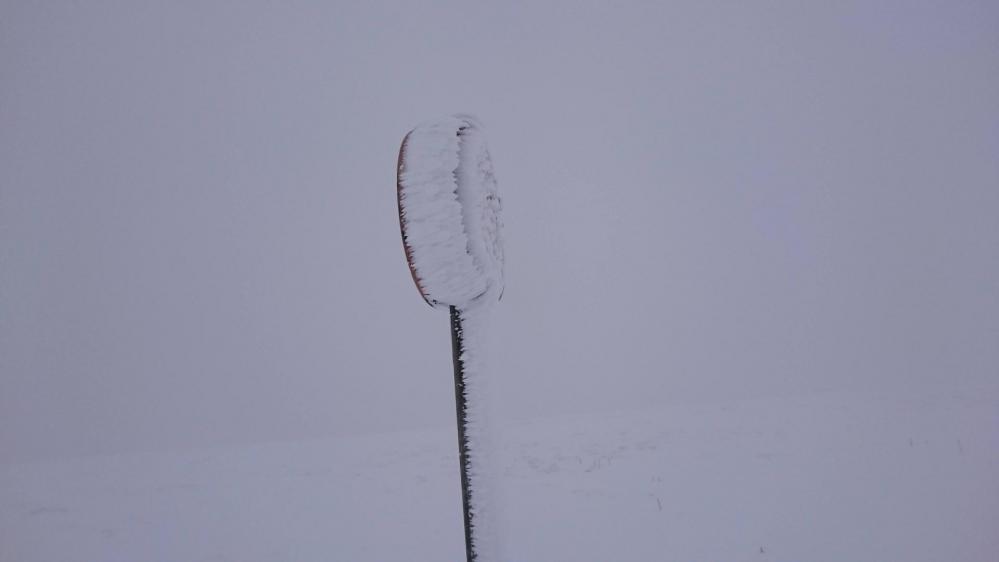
x=199 y=243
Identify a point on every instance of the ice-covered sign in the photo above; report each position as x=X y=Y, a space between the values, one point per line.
x=449 y=210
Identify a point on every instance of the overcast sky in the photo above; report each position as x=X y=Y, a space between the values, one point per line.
x=199 y=242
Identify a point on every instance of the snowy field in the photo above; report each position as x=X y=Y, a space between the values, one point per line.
x=834 y=477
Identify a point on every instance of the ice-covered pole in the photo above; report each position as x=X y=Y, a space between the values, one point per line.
x=449 y=214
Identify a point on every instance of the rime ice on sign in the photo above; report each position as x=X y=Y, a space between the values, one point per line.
x=449 y=207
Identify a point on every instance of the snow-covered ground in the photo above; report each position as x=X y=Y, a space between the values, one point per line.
x=833 y=477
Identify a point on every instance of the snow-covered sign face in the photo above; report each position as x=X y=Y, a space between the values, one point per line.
x=449 y=211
